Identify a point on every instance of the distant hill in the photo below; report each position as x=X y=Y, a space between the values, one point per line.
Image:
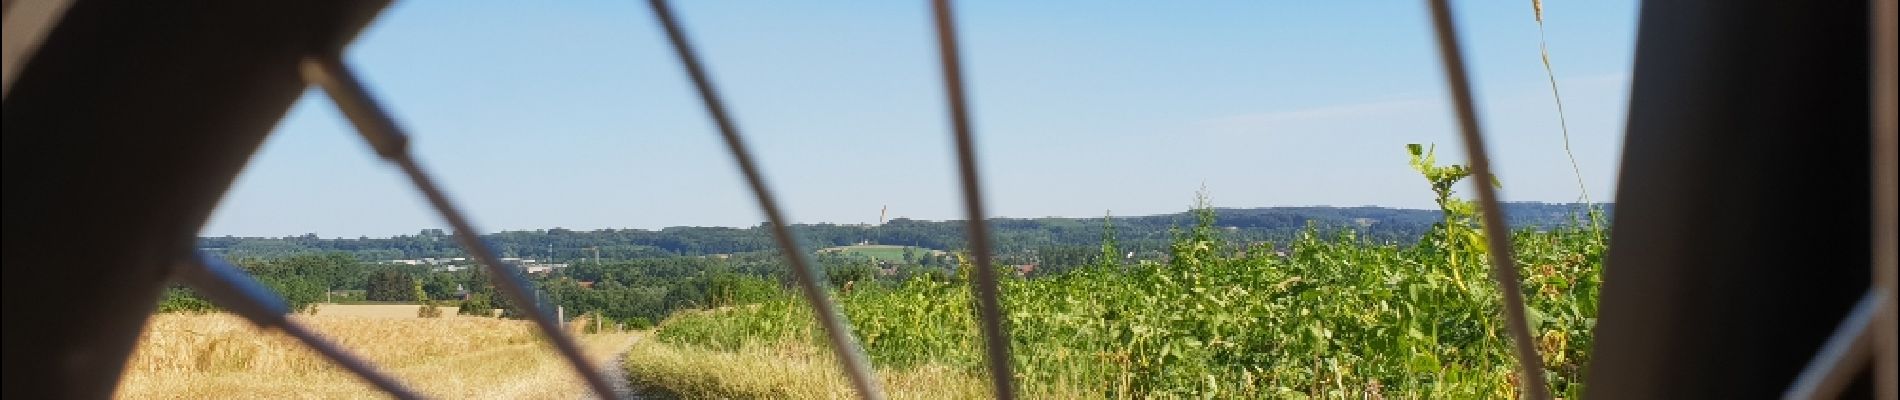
x=1012 y=234
x=884 y=252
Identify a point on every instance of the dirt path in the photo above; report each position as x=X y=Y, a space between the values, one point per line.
x=615 y=368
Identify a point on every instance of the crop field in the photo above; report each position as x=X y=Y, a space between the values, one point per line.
x=879 y=251
x=1326 y=315
x=1336 y=318
x=195 y=356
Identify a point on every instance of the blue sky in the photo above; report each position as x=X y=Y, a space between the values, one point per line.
x=576 y=115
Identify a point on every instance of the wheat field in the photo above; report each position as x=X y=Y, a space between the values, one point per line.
x=195 y=356
x=789 y=370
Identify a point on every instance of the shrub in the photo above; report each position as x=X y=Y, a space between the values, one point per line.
x=477 y=304
x=428 y=309
x=639 y=323
x=182 y=299
x=727 y=289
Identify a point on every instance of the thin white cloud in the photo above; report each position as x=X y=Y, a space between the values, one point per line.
x=1406 y=107
x=1274 y=119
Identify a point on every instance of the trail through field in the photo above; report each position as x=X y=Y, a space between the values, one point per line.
x=538 y=372
x=616 y=370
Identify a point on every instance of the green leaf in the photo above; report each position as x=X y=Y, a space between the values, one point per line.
x=1535 y=318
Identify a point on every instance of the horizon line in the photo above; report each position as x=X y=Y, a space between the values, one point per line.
x=756 y=225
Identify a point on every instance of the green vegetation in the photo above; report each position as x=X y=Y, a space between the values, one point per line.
x=1274 y=302
x=890 y=253
x=300 y=279
x=391 y=285
x=1328 y=313
x=1225 y=302
x=1014 y=237
x=427 y=305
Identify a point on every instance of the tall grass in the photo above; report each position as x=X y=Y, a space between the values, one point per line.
x=1326 y=315
x=785 y=370
x=1595 y=215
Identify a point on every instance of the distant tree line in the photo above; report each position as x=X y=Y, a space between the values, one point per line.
x=636 y=292
x=643 y=276
x=1012 y=235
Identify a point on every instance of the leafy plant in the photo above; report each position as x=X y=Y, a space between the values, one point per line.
x=1327 y=314
x=181 y=299
x=1459 y=238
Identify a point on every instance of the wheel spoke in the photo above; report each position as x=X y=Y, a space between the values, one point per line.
x=1503 y=268
x=227 y=286
x=1845 y=353
x=390 y=143
x=989 y=306
x=837 y=328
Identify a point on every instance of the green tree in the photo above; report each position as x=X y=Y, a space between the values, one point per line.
x=390 y=286
x=483 y=296
x=427 y=305
x=299 y=280
x=727 y=288
x=440 y=285
x=859 y=271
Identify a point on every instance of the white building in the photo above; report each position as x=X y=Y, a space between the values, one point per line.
x=537 y=268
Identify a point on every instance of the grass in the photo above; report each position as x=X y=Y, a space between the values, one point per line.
x=189 y=356
x=879 y=251
x=787 y=370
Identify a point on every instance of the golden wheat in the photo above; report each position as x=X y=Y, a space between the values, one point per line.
x=221 y=356
x=792 y=370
